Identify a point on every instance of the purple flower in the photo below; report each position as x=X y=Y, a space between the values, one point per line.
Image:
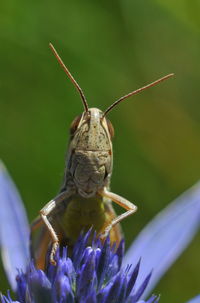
x=95 y=273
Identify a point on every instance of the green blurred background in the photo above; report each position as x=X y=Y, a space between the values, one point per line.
x=111 y=47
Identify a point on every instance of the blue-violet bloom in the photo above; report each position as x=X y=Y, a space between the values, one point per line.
x=96 y=273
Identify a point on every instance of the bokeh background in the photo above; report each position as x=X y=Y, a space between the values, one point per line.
x=111 y=47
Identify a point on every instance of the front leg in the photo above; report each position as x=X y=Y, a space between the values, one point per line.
x=130 y=207
x=44 y=212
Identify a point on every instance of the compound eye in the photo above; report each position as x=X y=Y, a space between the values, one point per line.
x=74 y=124
x=110 y=128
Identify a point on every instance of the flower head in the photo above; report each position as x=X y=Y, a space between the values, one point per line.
x=92 y=274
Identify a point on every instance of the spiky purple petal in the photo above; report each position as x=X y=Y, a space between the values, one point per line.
x=14 y=228
x=166 y=236
x=195 y=300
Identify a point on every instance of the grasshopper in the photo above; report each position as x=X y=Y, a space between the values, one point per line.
x=85 y=199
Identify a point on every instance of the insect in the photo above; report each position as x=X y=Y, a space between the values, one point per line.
x=85 y=199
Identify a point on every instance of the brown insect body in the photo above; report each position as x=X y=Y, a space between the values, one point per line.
x=85 y=199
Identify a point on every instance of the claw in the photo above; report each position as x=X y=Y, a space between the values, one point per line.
x=105 y=233
x=53 y=253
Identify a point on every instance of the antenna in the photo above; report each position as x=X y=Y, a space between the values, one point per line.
x=70 y=77
x=136 y=92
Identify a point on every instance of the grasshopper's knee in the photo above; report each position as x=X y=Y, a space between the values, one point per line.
x=135 y=208
x=42 y=213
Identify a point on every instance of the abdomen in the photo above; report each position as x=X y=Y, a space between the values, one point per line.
x=80 y=214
